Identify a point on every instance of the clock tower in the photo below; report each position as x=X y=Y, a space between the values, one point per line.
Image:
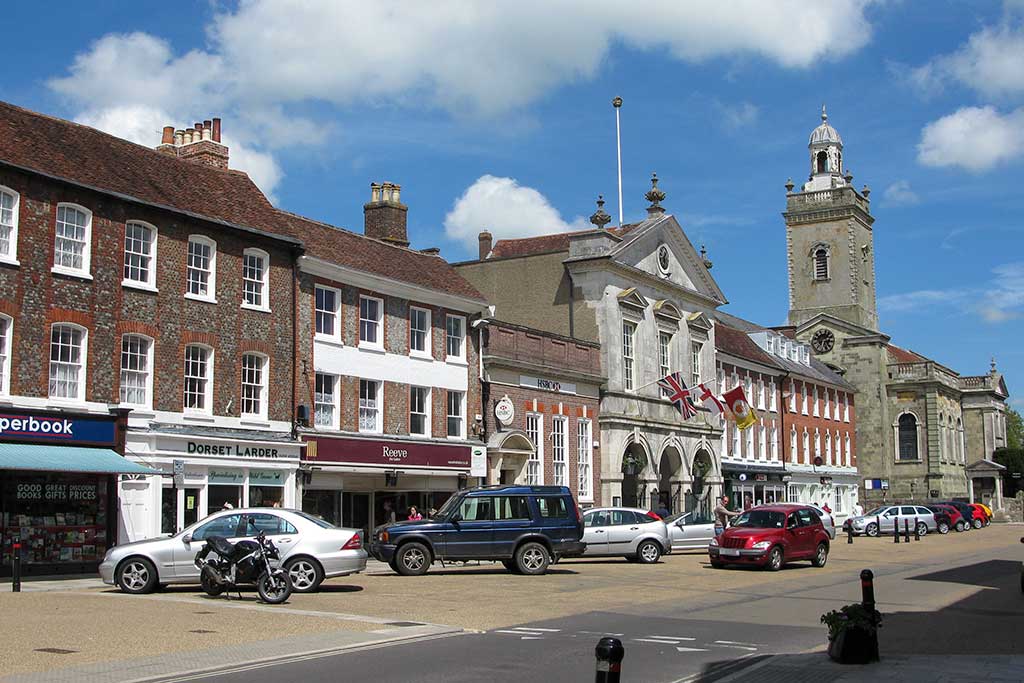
x=829 y=243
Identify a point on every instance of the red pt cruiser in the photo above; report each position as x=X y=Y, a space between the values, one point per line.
x=770 y=536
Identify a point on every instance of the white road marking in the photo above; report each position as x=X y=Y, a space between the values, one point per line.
x=602 y=633
x=735 y=642
x=691 y=649
x=655 y=640
x=544 y=630
x=532 y=638
x=519 y=633
x=676 y=638
x=739 y=647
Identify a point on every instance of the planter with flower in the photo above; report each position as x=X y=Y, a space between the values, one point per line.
x=853 y=634
x=632 y=464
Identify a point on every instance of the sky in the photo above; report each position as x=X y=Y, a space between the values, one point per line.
x=498 y=115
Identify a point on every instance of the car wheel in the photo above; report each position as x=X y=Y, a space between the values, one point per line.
x=136 y=576
x=943 y=528
x=532 y=558
x=922 y=529
x=960 y=526
x=977 y=524
x=511 y=566
x=820 y=555
x=305 y=573
x=648 y=552
x=775 y=559
x=412 y=559
x=871 y=530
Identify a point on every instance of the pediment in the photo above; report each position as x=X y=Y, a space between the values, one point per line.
x=631 y=298
x=667 y=310
x=699 y=322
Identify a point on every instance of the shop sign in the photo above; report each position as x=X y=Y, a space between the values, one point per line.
x=57 y=428
x=388 y=453
x=56 y=492
x=760 y=477
x=236 y=450
x=478 y=463
x=547 y=384
x=505 y=411
x=266 y=478
x=742 y=477
x=226 y=477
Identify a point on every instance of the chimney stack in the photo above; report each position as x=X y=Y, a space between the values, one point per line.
x=486 y=242
x=200 y=143
x=384 y=215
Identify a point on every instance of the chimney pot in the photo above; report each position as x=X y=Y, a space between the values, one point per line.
x=216 y=129
x=179 y=138
x=198 y=125
x=207 y=124
x=486 y=242
x=385 y=218
x=168 y=138
x=207 y=134
x=190 y=135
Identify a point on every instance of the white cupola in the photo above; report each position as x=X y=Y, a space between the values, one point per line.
x=826 y=149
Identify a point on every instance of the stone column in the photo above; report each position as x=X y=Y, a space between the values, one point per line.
x=970 y=488
x=998 y=502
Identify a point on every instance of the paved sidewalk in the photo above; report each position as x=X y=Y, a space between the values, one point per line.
x=816 y=666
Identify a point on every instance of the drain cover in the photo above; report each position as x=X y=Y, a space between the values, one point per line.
x=404 y=623
x=55 y=650
x=201 y=630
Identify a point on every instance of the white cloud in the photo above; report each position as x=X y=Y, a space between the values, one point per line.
x=974 y=138
x=506 y=209
x=739 y=115
x=900 y=194
x=999 y=300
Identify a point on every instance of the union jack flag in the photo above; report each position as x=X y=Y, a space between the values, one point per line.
x=678 y=394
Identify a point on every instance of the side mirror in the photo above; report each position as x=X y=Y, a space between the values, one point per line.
x=186 y=539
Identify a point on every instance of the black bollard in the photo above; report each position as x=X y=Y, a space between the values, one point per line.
x=896 y=531
x=917 y=530
x=906 y=531
x=867 y=590
x=609 y=653
x=16 y=568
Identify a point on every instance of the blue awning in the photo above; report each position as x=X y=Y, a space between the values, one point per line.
x=67 y=459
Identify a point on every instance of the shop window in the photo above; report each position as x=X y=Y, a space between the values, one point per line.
x=6 y=333
x=9 y=200
x=419 y=411
x=371 y=311
x=222 y=497
x=559 y=428
x=201 y=270
x=455 y=337
x=327 y=311
x=628 y=371
x=136 y=370
x=139 y=255
x=325 y=401
x=584 y=459
x=255 y=274
x=72 y=240
x=198 y=395
x=369 y=406
x=254 y=385
x=419 y=331
x=226 y=526
x=68 y=354
x=456 y=415
x=535 y=433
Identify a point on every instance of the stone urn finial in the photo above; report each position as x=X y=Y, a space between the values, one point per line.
x=655 y=196
x=600 y=218
x=704 y=257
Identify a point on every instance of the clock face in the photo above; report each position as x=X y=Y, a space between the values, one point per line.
x=823 y=341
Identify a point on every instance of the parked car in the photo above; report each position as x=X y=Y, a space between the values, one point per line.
x=884 y=519
x=310 y=550
x=982 y=514
x=826 y=520
x=633 y=533
x=525 y=527
x=943 y=518
x=987 y=509
x=956 y=518
x=972 y=512
x=690 y=531
x=770 y=536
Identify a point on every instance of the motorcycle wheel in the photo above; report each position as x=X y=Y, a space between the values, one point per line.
x=210 y=586
x=274 y=588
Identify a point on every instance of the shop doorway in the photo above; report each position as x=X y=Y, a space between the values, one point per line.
x=634 y=461
x=699 y=499
x=355 y=511
x=171 y=522
x=669 y=469
x=323 y=504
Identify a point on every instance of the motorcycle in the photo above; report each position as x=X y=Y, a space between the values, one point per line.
x=245 y=562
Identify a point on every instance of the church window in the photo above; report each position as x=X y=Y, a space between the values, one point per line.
x=821 y=263
x=907 y=437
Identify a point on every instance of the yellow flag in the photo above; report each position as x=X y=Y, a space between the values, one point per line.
x=741 y=410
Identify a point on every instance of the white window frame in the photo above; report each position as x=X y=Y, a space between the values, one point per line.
x=749 y=454
x=828 y=447
x=664 y=356
x=847 y=457
x=760 y=393
x=837 y=449
x=846 y=407
x=335 y=313
x=737 y=446
x=207 y=408
x=83 y=364
x=378 y=323
x=803 y=394
x=806 y=443
x=794 y=452
x=535 y=463
x=695 y=362
x=628 y=355
x=560 y=450
x=584 y=460
x=264 y=370
x=11 y=255
x=425 y=412
x=82 y=272
x=773 y=402
x=817 y=443
x=6 y=344
x=263 y=282
x=377 y=406
x=427 y=350
x=211 y=280
x=792 y=396
x=148 y=284
x=461 y=356
x=318 y=401
x=816 y=408
x=773 y=452
x=448 y=414
x=147 y=403
x=828 y=403
x=762 y=441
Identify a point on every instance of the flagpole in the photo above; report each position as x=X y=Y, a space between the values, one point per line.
x=713 y=380
x=617 y=103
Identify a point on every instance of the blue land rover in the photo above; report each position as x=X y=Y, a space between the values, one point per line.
x=525 y=527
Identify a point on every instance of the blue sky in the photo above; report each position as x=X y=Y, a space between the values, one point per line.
x=498 y=115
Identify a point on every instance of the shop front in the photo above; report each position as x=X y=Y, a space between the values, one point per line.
x=750 y=486
x=58 y=488
x=362 y=483
x=202 y=474
x=825 y=486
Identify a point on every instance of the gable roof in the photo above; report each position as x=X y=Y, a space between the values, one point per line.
x=737 y=343
x=544 y=244
x=105 y=163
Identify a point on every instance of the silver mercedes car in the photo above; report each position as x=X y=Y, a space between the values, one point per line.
x=311 y=550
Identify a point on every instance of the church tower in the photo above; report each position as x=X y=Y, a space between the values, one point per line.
x=829 y=245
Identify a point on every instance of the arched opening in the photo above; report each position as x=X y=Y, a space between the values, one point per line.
x=822 y=162
x=698 y=499
x=821 y=263
x=634 y=461
x=907 y=431
x=669 y=469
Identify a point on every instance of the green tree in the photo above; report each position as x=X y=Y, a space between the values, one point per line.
x=1013 y=477
x=1014 y=429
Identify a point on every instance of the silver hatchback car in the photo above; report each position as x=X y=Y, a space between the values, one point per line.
x=311 y=550
x=690 y=531
x=635 y=534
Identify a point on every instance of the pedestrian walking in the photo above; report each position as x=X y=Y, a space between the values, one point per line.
x=414 y=514
x=722 y=515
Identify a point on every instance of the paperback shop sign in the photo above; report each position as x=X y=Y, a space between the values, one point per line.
x=29 y=427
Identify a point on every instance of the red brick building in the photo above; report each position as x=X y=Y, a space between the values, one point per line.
x=542 y=397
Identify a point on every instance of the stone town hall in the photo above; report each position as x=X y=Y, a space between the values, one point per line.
x=923 y=430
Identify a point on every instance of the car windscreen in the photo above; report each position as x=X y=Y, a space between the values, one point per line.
x=876 y=511
x=316 y=520
x=761 y=519
x=450 y=506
